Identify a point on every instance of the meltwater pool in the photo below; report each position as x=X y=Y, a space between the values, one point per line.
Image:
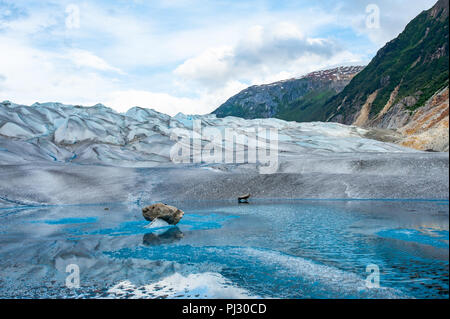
x=220 y=249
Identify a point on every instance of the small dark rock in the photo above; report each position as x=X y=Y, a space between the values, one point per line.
x=243 y=198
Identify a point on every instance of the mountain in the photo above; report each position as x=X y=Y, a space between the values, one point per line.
x=402 y=92
x=401 y=78
x=405 y=86
x=298 y=99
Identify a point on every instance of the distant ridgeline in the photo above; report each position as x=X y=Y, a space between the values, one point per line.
x=404 y=88
x=299 y=99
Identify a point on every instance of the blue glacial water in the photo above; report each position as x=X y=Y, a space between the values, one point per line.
x=265 y=249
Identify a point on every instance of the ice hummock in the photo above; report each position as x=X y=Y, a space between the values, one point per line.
x=100 y=135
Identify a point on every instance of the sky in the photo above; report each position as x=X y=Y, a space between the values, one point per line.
x=185 y=56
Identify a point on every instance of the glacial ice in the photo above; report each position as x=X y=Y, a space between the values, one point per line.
x=94 y=154
x=70 y=128
x=11 y=129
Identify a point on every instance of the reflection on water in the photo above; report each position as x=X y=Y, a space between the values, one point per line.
x=286 y=249
x=169 y=236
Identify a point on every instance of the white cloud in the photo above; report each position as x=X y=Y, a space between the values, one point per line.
x=124 y=57
x=83 y=58
x=124 y=100
x=38 y=75
x=163 y=102
x=41 y=76
x=393 y=17
x=263 y=53
x=211 y=67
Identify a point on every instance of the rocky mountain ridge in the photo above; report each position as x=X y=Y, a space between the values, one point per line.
x=280 y=99
x=405 y=86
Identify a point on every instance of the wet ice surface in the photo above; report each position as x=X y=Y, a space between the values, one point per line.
x=276 y=248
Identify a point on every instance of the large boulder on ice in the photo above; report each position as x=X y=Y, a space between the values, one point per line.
x=170 y=214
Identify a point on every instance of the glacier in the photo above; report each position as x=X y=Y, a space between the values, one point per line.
x=54 y=154
x=73 y=181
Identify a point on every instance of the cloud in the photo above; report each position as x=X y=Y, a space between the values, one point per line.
x=82 y=58
x=124 y=100
x=43 y=75
x=36 y=75
x=393 y=16
x=180 y=55
x=18 y=20
x=260 y=53
x=169 y=104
